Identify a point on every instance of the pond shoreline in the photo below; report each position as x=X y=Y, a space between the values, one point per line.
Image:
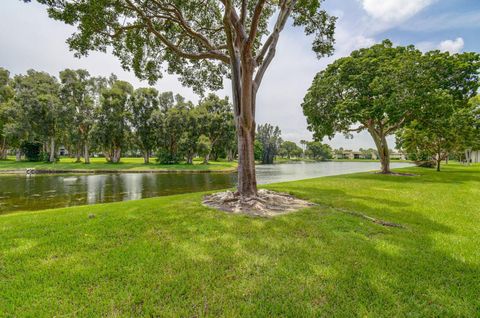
x=108 y=171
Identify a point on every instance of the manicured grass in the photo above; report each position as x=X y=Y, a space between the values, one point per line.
x=172 y=257
x=130 y=164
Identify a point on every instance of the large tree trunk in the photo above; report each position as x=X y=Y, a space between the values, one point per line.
x=3 y=149
x=382 y=148
x=52 y=150
x=18 y=155
x=146 y=157
x=190 y=159
x=116 y=155
x=438 y=163
x=86 y=153
x=244 y=105
x=206 y=159
x=78 y=154
x=229 y=155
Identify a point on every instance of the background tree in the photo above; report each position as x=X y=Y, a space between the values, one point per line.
x=204 y=147
x=379 y=89
x=192 y=132
x=171 y=125
x=441 y=133
x=258 y=150
x=318 y=151
x=270 y=138
x=144 y=102
x=112 y=129
x=217 y=122
x=289 y=149
x=6 y=95
x=79 y=92
x=37 y=94
x=472 y=138
x=201 y=42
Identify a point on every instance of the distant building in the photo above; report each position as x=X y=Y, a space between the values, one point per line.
x=63 y=151
x=351 y=154
x=397 y=156
x=476 y=156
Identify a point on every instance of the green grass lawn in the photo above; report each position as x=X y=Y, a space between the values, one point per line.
x=130 y=164
x=171 y=257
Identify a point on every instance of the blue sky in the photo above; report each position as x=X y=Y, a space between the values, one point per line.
x=31 y=40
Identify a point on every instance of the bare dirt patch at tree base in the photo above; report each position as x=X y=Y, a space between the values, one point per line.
x=266 y=204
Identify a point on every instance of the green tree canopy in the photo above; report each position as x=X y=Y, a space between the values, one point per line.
x=144 y=102
x=382 y=88
x=112 y=127
x=270 y=138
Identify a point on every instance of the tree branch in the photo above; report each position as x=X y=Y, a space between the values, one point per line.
x=271 y=44
x=257 y=13
x=210 y=54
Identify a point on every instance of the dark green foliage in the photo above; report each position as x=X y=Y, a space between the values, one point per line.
x=318 y=151
x=269 y=137
x=33 y=151
x=290 y=149
x=258 y=150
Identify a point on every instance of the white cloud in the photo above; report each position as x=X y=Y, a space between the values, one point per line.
x=394 y=11
x=452 y=46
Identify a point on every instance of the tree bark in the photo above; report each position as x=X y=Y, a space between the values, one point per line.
x=78 y=154
x=206 y=159
x=382 y=148
x=3 y=150
x=229 y=155
x=244 y=105
x=86 y=153
x=116 y=155
x=146 y=157
x=468 y=156
x=438 y=163
x=52 y=150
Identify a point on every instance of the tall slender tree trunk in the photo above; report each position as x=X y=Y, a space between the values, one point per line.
x=146 y=157
x=468 y=156
x=52 y=150
x=3 y=149
x=18 y=154
x=78 y=154
x=438 y=164
x=244 y=106
x=229 y=155
x=86 y=153
x=206 y=159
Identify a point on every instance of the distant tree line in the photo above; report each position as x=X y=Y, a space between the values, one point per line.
x=86 y=114
x=269 y=145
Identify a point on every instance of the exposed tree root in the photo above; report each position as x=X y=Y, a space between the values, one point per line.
x=366 y=217
x=266 y=203
x=397 y=174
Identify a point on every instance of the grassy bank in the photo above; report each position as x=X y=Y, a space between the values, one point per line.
x=126 y=164
x=171 y=257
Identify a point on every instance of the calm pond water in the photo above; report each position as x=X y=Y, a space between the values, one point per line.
x=36 y=192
